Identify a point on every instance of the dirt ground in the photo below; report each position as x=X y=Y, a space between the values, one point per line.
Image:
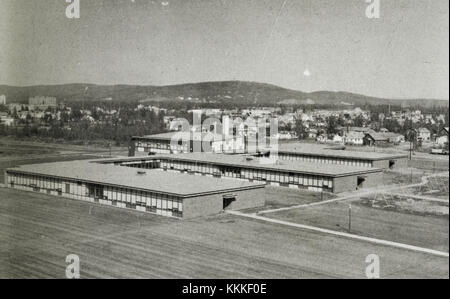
x=37 y=232
x=428 y=228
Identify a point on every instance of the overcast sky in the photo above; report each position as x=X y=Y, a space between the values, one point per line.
x=306 y=45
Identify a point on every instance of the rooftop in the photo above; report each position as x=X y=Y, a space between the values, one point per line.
x=383 y=136
x=322 y=151
x=183 y=185
x=329 y=170
x=184 y=136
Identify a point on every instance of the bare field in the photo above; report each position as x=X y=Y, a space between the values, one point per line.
x=404 y=204
x=15 y=153
x=277 y=197
x=388 y=222
x=402 y=177
x=430 y=162
x=437 y=187
x=38 y=231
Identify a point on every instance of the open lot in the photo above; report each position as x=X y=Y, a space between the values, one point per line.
x=437 y=187
x=14 y=153
x=426 y=225
x=276 y=197
x=37 y=232
x=403 y=203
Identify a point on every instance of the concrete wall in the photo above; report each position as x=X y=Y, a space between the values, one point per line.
x=213 y=204
x=384 y=164
x=373 y=180
x=350 y=183
x=344 y=184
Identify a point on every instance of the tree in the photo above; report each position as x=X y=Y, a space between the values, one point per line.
x=332 y=125
x=359 y=121
x=300 y=129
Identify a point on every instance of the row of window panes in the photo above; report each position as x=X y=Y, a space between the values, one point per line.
x=153 y=145
x=338 y=161
x=35 y=181
x=159 y=201
x=196 y=167
x=272 y=176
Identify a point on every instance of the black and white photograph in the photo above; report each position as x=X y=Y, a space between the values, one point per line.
x=223 y=145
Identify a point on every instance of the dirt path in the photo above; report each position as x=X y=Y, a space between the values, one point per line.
x=344 y=235
x=350 y=195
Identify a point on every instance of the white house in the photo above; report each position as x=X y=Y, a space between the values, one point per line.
x=338 y=139
x=423 y=134
x=443 y=137
x=6 y=121
x=354 y=138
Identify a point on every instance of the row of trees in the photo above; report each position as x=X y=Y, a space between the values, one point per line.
x=118 y=128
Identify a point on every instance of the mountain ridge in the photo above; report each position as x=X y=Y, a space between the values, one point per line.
x=213 y=91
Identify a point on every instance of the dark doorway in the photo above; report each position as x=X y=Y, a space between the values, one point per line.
x=228 y=200
x=361 y=181
x=391 y=164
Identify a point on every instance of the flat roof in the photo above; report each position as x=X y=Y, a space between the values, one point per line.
x=186 y=136
x=319 y=169
x=322 y=151
x=182 y=185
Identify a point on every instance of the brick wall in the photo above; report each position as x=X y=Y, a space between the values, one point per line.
x=213 y=204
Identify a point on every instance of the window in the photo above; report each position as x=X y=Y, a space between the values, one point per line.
x=164 y=202
x=175 y=204
x=158 y=201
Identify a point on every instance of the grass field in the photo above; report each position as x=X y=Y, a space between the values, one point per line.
x=383 y=222
x=276 y=197
x=38 y=231
x=437 y=187
x=403 y=203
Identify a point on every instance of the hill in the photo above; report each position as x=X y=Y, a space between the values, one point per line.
x=213 y=92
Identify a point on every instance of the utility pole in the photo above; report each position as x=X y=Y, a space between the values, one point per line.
x=349 y=218
x=410 y=148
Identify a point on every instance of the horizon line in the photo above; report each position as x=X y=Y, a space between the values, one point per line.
x=221 y=81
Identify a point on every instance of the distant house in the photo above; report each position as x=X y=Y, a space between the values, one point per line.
x=423 y=134
x=312 y=134
x=186 y=142
x=176 y=124
x=321 y=138
x=376 y=139
x=42 y=103
x=338 y=139
x=364 y=130
x=354 y=138
x=6 y=120
x=442 y=139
